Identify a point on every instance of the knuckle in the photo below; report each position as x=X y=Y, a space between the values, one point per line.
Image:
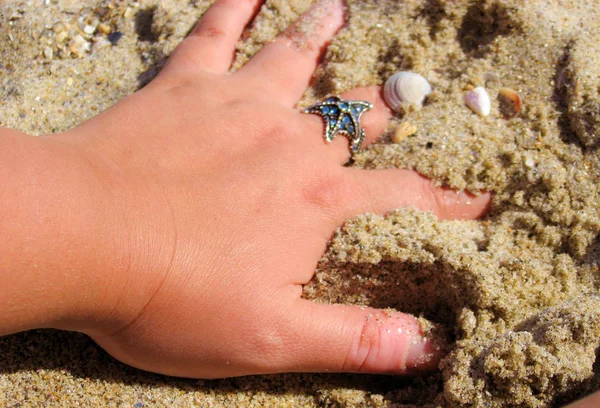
x=209 y=32
x=276 y=133
x=329 y=191
x=365 y=349
x=272 y=130
x=271 y=343
x=272 y=339
x=444 y=200
x=298 y=42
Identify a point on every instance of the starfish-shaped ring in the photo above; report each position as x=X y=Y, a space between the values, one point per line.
x=342 y=117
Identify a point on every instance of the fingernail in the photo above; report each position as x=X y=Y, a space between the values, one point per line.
x=322 y=20
x=424 y=350
x=404 y=347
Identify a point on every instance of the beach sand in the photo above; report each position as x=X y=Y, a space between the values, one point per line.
x=516 y=294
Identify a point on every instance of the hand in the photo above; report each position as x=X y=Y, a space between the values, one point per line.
x=218 y=200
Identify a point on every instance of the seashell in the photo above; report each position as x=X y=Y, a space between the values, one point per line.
x=405 y=87
x=403 y=131
x=104 y=28
x=48 y=53
x=478 y=101
x=529 y=162
x=62 y=36
x=89 y=29
x=511 y=97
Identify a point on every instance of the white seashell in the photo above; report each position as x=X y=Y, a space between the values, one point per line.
x=405 y=87
x=479 y=101
x=529 y=162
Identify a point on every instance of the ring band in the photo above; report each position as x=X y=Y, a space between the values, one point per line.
x=342 y=117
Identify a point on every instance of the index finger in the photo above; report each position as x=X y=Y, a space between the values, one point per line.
x=211 y=44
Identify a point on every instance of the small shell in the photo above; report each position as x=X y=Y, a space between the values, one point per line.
x=478 y=101
x=511 y=96
x=104 y=28
x=529 y=162
x=89 y=29
x=403 y=131
x=79 y=46
x=405 y=87
x=48 y=53
x=62 y=36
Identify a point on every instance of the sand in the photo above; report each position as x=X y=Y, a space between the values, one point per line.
x=516 y=293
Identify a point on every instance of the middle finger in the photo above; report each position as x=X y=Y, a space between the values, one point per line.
x=285 y=66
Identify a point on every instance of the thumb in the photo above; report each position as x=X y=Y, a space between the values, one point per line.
x=341 y=338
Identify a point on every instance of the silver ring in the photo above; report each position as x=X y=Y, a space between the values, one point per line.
x=342 y=117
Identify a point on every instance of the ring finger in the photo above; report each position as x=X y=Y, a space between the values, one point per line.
x=373 y=122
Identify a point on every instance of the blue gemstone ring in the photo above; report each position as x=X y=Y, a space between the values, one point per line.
x=342 y=117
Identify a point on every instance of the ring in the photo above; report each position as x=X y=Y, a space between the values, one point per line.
x=342 y=117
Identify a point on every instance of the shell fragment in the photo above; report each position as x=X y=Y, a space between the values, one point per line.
x=478 y=100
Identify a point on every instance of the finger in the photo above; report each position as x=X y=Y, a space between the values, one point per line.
x=381 y=191
x=373 y=122
x=341 y=338
x=592 y=401
x=211 y=44
x=285 y=66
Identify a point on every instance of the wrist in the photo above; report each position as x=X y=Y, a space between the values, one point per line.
x=59 y=249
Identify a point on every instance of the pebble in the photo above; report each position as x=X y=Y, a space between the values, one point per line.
x=129 y=13
x=104 y=29
x=529 y=162
x=48 y=53
x=79 y=46
x=89 y=29
x=79 y=37
x=403 y=131
x=61 y=37
x=115 y=37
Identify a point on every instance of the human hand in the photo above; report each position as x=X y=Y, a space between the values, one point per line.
x=218 y=198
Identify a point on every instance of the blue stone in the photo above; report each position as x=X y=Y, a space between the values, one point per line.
x=332 y=121
x=115 y=37
x=346 y=119
x=351 y=128
x=334 y=110
x=344 y=105
x=325 y=110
